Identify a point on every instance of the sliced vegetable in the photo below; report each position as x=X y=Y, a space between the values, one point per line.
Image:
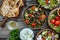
x=57 y=23
x=56 y=35
x=39 y=18
x=33 y=24
x=27 y=21
x=33 y=7
x=43 y=16
x=46 y=2
x=52 y=21
x=51 y=3
x=43 y=38
x=29 y=15
x=57 y=18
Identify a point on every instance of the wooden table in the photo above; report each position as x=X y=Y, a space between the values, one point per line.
x=4 y=32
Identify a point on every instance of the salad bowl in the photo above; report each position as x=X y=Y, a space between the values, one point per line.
x=34 y=16
x=54 y=19
x=47 y=34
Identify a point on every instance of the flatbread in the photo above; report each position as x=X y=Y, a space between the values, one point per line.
x=10 y=8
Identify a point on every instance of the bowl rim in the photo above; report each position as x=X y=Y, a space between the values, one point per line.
x=40 y=32
x=27 y=28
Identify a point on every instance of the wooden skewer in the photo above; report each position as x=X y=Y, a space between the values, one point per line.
x=2 y=24
x=4 y=20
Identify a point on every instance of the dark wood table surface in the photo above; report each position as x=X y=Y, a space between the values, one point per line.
x=4 y=33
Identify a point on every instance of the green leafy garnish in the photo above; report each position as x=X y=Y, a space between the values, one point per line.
x=14 y=35
x=57 y=29
x=50 y=5
x=53 y=15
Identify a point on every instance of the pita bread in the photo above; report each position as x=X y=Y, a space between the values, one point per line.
x=10 y=8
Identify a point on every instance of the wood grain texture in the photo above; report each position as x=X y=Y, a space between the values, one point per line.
x=4 y=33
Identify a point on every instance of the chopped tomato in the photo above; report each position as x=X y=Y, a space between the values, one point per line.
x=39 y=18
x=57 y=18
x=32 y=15
x=43 y=16
x=57 y=23
x=33 y=8
x=29 y=15
x=43 y=38
x=52 y=21
x=46 y=2
x=49 y=32
x=27 y=21
x=33 y=24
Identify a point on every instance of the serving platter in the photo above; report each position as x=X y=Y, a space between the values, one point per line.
x=4 y=32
